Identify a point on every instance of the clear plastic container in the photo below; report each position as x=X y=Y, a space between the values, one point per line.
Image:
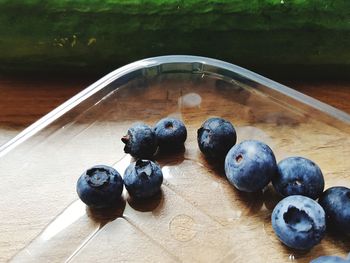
x=199 y=217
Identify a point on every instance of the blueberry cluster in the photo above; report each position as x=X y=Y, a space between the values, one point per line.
x=298 y=220
x=143 y=141
x=101 y=186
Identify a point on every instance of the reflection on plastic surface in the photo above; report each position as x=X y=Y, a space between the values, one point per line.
x=190 y=100
x=70 y=230
x=64 y=220
x=198 y=216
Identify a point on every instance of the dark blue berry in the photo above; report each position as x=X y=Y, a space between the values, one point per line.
x=336 y=203
x=100 y=186
x=250 y=165
x=216 y=137
x=171 y=133
x=299 y=222
x=143 y=179
x=298 y=176
x=140 y=141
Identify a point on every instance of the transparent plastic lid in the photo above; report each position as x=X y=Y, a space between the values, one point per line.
x=199 y=216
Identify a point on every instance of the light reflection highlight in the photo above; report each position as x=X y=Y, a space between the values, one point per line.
x=68 y=217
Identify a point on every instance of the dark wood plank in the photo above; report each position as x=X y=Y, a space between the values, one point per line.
x=23 y=101
x=333 y=93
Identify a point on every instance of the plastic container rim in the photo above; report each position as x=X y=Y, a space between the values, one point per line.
x=157 y=61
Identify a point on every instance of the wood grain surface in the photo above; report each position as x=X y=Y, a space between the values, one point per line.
x=198 y=217
x=25 y=100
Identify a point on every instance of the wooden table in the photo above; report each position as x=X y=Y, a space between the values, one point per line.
x=25 y=100
x=196 y=204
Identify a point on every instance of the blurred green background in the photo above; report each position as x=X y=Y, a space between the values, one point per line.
x=277 y=38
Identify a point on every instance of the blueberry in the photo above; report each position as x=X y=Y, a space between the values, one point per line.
x=215 y=137
x=298 y=176
x=250 y=165
x=143 y=179
x=100 y=186
x=336 y=203
x=140 y=141
x=299 y=222
x=329 y=259
x=171 y=133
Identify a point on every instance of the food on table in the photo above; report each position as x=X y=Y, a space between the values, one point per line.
x=100 y=186
x=250 y=165
x=298 y=176
x=336 y=203
x=215 y=138
x=140 y=141
x=299 y=222
x=143 y=179
x=171 y=133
